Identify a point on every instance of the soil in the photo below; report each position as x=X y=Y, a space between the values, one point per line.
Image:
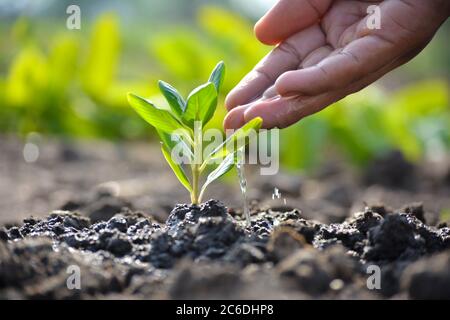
x=128 y=240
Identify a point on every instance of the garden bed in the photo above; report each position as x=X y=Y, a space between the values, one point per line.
x=319 y=243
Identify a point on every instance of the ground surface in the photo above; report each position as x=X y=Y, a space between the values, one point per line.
x=120 y=228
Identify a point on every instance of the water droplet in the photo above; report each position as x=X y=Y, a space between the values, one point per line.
x=30 y=152
x=336 y=284
x=243 y=182
x=276 y=194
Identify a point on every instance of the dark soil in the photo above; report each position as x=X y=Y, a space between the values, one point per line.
x=204 y=252
x=308 y=248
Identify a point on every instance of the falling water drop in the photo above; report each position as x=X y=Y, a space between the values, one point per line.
x=276 y=194
x=243 y=182
x=30 y=152
x=31 y=147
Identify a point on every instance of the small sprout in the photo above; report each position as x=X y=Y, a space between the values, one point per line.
x=181 y=125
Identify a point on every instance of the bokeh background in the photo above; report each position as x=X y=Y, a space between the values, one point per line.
x=71 y=85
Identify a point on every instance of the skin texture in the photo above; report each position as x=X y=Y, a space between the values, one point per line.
x=324 y=52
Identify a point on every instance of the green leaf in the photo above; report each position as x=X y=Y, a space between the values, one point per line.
x=238 y=138
x=176 y=168
x=159 y=118
x=217 y=75
x=175 y=100
x=167 y=140
x=201 y=104
x=223 y=168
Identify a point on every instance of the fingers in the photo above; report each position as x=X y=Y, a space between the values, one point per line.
x=316 y=56
x=287 y=17
x=282 y=112
x=235 y=118
x=335 y=24
x=341 y=68
x=363 y=51
x=277 y=112
x=286 y=56
x=327 y=75
x=269 y=93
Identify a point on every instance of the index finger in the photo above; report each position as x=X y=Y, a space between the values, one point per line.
x=286 y=56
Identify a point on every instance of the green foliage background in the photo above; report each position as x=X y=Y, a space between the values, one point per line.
x=73 y=84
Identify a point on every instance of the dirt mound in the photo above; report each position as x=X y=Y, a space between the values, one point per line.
x=205 y=252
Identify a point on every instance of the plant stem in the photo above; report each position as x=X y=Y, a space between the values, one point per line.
x=195 y=182
x=196 y=166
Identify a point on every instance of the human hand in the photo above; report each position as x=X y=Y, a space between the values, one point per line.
x=325 y=52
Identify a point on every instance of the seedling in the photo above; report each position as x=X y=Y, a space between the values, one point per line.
x=180 y=125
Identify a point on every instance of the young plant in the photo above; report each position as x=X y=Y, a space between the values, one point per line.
x=180 y=125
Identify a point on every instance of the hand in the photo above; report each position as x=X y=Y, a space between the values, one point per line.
x=325 y=52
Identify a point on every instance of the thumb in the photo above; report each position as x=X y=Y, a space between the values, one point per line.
x=288 y=17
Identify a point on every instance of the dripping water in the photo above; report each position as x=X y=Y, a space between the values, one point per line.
x=276 y=194
x=243 y=182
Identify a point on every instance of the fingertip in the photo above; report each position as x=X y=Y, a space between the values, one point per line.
x=278 y=112
x=250 y=114
x=229 y=103
x=285 y=83
x=263 y=34
x=234 y=119
x=235 y=98
x=306 y=82
x=286 y=18
x=260 y=110
x=249 y=89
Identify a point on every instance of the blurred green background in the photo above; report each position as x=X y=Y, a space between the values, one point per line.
x=73 y=83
